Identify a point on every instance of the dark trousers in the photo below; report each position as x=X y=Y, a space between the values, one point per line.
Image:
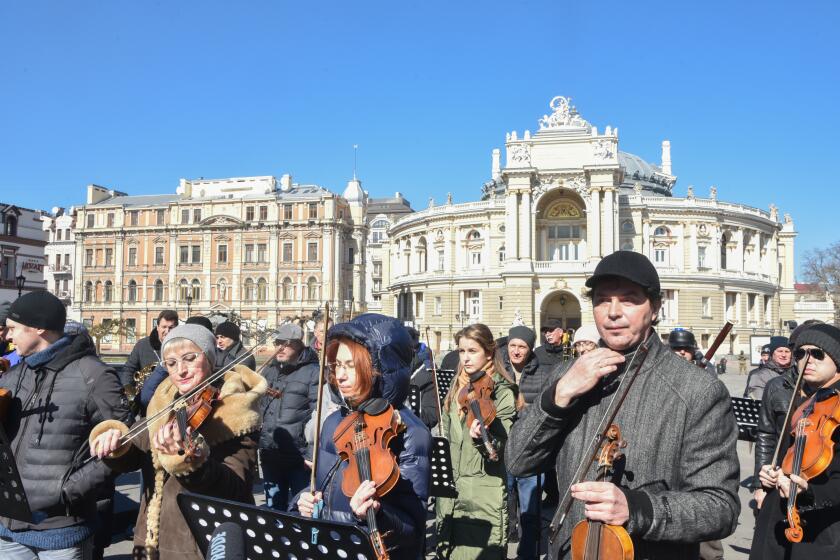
x=282 y=483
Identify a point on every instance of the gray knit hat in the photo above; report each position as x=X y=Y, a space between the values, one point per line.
x=198 y=335
x=823 y=336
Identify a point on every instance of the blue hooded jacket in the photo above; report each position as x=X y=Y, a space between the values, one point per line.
x=403 y=510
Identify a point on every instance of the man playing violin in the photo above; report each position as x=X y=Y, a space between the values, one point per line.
x=217 y=458
x=677 y=485
x=818 y=352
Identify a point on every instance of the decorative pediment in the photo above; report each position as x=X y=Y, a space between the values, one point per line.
x=221 y=220
x=159 y=240
x=562 y=210
x=312 y=235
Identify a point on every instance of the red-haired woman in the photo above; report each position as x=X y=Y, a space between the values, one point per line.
x=369 y=361
x=474 y=525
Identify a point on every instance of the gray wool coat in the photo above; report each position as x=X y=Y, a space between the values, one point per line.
x=681 y=470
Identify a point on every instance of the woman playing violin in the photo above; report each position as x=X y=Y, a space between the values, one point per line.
x=474 y=525
x=217 y=459
x=368 y=360
x=818 y=500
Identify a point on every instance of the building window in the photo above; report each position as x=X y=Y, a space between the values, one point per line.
x=701 y=257
x=263 y=213
x=185 y=216
x=249 y=290
x=158 y=291
x=160 y=217
x=110 y=219
x=262 y=253
x=249 y=213
x=472 y=299
x=196 y=254
x=184 y=256
x=438 y=305
x=660 y=256
x=473 y=235
x=88 y=292
x=287 y=211
x=377 y=285
x=58 y=235
x=262 y=290
x=724 y=240
x=668 y=311
x=440 y=260
x=196 y=289
x=132 y=256
x=501 y=303
x=312 y=289
x=706 y=304
x=351 y=255
x=627 y=226
x=731 y=309
x=661 y=231
x=249 y=253
x=288 y=289
x=419 y=306
x=312 y=251
x=377 y=269
x=287 y=252
x=183 y=290
x=313 y=210
x=563 y=243
x=501 y=254
x=90 y=220
x=88 y=257
x=158 y=255
x=133 y=217
x=475 y=258
x=131 y=331
x=222 y=253
x=132 y=291
x=109 y=291
x=752 y=310
x=109 y=256
x=196 y=215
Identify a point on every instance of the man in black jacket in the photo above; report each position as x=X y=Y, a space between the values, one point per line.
x=291 y=397
x=551 y=353
x=230 y=347
x=147 y=350
x=59 y=392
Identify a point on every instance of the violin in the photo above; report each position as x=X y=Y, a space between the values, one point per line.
x=595 y=540
x=362 y=439
x=815 y=422
x=192 y=413
x=5 y=401
x=476 y=400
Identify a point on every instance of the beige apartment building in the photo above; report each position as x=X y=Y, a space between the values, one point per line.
x=264 y=249
x=566 y=197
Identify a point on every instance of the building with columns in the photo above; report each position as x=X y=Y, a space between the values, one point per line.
x=565 y=197
x=263 y=249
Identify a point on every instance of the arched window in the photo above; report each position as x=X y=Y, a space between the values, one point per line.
x=249 y=289
x=10 y=225
x=183 y=290
x=196 y=289
x=422 y=256
x=380 y=224
x=661 y=231
x=473 y=235
x=158 y=291
x=88 y=291
x=262 y=290
x=97 y=292
x=109 y=291
x=288 y=289
x=312 y=289
x=724 y=240
x=502 y=254
x=132 y=291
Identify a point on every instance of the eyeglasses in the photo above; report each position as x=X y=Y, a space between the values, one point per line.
x=815 y=353
x=188 y=359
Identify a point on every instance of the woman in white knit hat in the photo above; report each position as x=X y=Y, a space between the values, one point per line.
x=224 y=456
x=586 y=339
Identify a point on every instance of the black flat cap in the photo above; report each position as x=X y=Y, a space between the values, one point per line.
x=629 y=265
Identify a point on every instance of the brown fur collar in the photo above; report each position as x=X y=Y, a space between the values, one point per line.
x=236 y=414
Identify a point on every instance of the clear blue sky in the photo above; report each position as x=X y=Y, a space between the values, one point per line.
x=135 y=95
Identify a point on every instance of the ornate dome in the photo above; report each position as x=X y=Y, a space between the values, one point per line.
x=354 y=192
x=650 y=177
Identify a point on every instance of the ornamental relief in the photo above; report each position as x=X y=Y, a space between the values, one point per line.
x=562 y=210
x=520 y=155
x=576 y=183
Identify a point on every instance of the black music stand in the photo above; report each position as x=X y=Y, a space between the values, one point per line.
x=443 y=481
x=13 y=502
x=414 y=399
x=746 y=415
x=444 y=379
x=271 y=534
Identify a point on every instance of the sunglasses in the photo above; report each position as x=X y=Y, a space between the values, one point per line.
x=282 y=343
x=815 y=353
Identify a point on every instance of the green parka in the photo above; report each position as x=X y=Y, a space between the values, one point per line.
x=474 y=524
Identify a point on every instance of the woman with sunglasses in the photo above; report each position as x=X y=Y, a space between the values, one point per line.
x=817 y=355
x=222 y=457
x=369 y=361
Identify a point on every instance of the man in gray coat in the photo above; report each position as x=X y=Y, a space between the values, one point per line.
x=677 y=485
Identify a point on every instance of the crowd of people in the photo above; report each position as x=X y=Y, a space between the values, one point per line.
x=520 y=418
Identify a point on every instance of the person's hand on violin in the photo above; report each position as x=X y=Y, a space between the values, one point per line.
x=768 y=476
x=585 y=374
x=307 y=501
x=364 y=498
x=785 y=481
x=475 y=429
x=168 y=440
x=105 y=444
x=603 y=501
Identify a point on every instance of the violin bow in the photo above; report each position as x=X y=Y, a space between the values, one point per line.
x=608 y=419
x=796 y=390
x=322 y=362
x=434 y=381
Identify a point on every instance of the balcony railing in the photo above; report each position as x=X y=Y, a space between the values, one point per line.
x=60 y=269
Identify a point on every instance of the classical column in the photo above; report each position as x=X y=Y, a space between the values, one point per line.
x=326 y=265
x=594 y=232
x=511 y=233
x=646 y=238
x=692 y=249
x=173 y=282
x=525 y=226
x=608 y=241
x=739 y=252
x=119 y=297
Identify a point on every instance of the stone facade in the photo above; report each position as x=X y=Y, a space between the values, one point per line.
x=250 y=246
x=565 y=198
x=60 y=255
x=21 y=250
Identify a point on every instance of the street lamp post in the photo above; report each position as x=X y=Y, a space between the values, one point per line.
x=189 y=304
x=20 y=281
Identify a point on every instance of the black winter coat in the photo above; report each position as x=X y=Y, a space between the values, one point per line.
x=282 y=441
x=550 y=355
x=422 y=379
x=145 y=352
x=53 y=409
x=225 y=357
x=771 y=416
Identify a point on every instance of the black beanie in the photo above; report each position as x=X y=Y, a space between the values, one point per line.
x=200 y=320
x=824 y=336
x=524 y=334
x=777 y=342
x=39 y=310
x=228 y=329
